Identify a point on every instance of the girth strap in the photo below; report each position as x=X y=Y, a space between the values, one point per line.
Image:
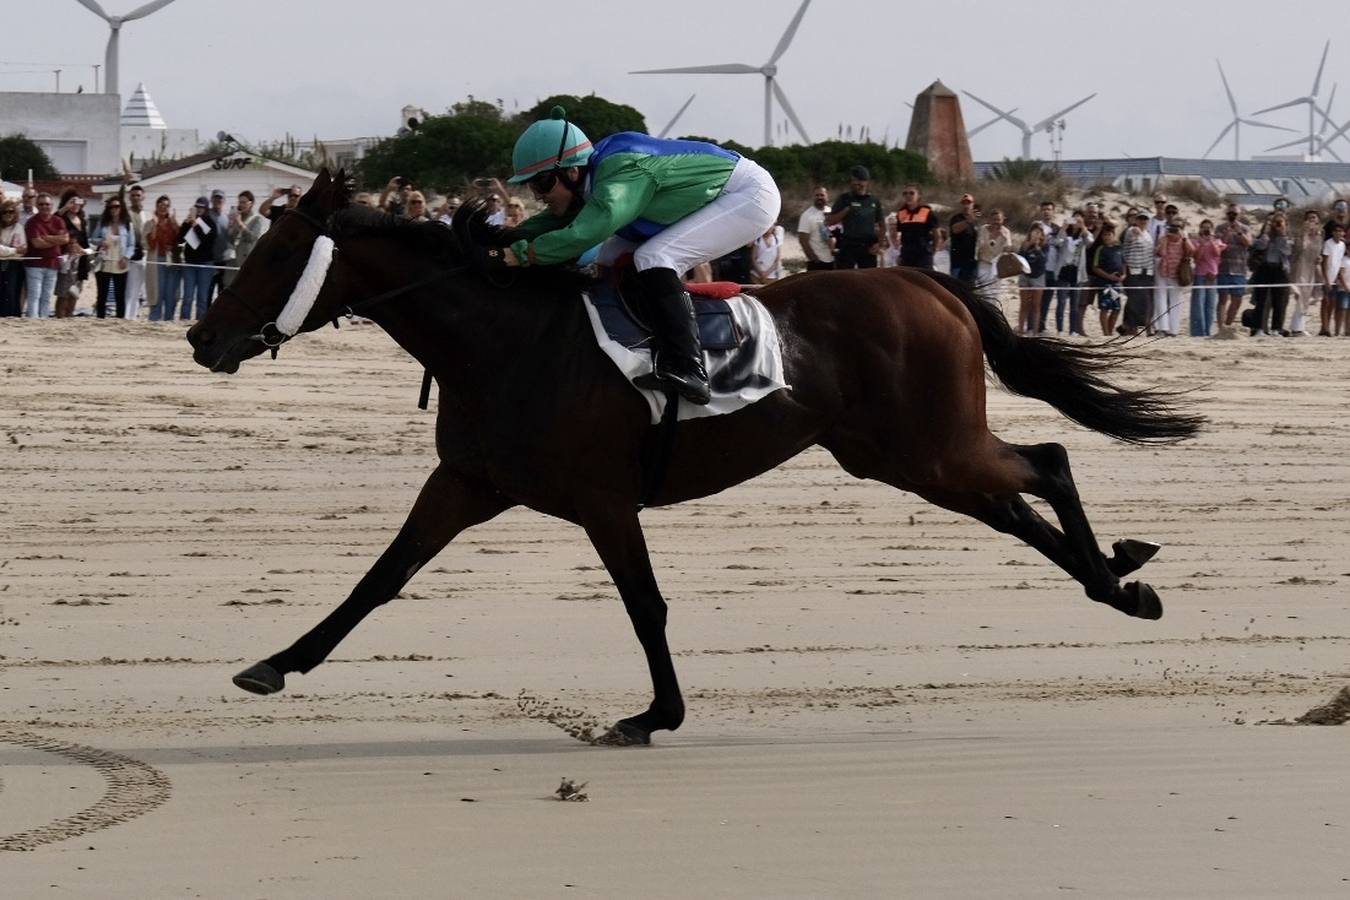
x=656 y=452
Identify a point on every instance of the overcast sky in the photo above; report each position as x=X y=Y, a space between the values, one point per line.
x=261 y=68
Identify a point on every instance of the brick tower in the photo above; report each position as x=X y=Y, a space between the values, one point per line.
x=938 y=131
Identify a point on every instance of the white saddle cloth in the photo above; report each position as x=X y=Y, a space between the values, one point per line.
x=738 y=377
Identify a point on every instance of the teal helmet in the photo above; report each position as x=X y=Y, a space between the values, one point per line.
x=552 y=143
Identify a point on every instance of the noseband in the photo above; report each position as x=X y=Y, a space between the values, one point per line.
x=281 y=329
x=298 y=306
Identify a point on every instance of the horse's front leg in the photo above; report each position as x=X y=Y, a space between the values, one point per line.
x=448 y=504
x=617 y=536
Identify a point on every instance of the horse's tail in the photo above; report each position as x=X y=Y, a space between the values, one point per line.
x=1073 y=378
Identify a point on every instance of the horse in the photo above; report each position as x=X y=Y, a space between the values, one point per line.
x=886 y=369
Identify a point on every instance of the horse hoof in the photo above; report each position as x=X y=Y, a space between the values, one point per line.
x=624 y=734
x=1146 y=602
x=1130 y=555
x=260 y=678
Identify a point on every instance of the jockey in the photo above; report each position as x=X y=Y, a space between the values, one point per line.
x=672 y=204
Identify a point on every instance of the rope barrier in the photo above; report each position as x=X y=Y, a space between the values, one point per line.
x=148 y=262
x=1121 y=286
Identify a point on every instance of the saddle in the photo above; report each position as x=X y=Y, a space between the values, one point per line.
x=622 y=310
x=741 y=347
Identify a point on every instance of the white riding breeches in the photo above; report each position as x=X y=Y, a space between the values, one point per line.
x=746 y=208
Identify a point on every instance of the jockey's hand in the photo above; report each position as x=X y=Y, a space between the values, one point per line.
x=509 y=257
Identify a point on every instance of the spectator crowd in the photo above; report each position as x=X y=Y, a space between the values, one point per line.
x=1139 y=273
x=148 y=260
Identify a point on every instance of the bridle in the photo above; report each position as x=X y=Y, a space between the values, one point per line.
x=275 y=332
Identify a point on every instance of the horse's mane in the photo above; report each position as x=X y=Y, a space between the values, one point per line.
x=459 y=244
x=428 y=238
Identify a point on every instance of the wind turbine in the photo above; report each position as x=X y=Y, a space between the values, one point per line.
x=970 y=133
x=769 y=70
x=1028 y=130
x=675 y=118
x=1343 y=132
x=115 y=25
x=1309 y=101
x=1323 y=143
x=1235 y=126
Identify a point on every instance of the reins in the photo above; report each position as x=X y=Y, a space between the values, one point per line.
x=271 y=335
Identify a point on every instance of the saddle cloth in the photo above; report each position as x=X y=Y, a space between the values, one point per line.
x=741 y=349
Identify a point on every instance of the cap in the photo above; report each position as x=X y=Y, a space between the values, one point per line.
x=202 y=201
x=860 y=173
x=217 y=193
x=967 y=198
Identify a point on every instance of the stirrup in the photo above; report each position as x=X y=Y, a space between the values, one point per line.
x=691 y=384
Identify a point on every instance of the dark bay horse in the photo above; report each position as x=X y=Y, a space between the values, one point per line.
x=886 y=368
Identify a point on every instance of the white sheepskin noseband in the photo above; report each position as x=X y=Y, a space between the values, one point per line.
x=307 y=288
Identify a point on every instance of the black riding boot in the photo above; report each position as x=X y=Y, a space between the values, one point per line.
x=678 y=358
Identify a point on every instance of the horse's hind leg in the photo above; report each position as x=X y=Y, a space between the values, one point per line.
x=1043 y=471
x=447 y=504
x=984 y=478
x=1055 y=485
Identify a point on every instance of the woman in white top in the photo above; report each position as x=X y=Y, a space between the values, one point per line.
x=766 y=260
x=115 y=241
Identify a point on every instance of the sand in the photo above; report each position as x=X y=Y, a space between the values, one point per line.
x=884 y=699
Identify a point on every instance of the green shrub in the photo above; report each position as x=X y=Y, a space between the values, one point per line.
x=18 y=154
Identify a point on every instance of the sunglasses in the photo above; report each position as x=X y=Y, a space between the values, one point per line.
x=542 y=183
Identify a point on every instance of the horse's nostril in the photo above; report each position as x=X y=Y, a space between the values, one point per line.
x=199 y=337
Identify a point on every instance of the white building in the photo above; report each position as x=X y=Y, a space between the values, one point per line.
x=146 y=136
x=78 y=132
x=184 y=180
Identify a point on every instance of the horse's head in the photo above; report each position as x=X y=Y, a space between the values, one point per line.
x=276 y=293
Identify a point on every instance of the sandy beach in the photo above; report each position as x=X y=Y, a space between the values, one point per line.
x=884 y=699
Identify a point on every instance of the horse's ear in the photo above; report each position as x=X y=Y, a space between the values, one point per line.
x=342 y=188
x=323 y=181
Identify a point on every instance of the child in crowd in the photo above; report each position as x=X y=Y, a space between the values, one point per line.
x=68 y=281
x=942 y=254
x=1341 y=305
x=1107 y=269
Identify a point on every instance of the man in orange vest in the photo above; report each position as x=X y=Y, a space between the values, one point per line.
x=915 y=222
